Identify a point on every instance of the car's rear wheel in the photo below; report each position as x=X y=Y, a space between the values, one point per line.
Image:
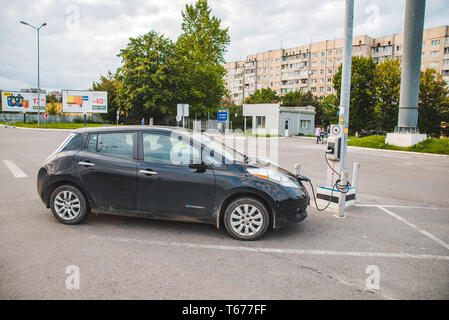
x=69 y=205
x=246 y=219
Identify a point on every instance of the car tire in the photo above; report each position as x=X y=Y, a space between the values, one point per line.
x=246 y=219
x=69 y=205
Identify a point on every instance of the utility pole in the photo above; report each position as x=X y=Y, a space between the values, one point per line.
x=406 y=133
x=411 y=66
x=38 y=78
x=345 y=99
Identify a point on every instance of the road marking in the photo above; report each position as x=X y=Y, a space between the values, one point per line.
x=424 y=232
x=272 y=250
x=15 y=170
x=394 y=206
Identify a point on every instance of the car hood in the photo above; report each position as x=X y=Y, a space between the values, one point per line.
x=266 y=163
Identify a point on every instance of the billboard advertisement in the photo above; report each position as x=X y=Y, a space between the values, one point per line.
x=22 y=101
x=77 y=101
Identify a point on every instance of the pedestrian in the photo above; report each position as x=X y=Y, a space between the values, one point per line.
x=143 y=121
x=318 y=133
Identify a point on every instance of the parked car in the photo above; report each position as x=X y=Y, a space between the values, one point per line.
x=168 y=174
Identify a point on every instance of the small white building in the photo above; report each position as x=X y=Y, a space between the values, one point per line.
x=272 y=118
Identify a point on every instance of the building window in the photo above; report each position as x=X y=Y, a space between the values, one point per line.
x=436 y=43
x=433 y=65
x=398 y=48
x=305 y=124
x=313 y=89
x=260 y=122
x=434 y=54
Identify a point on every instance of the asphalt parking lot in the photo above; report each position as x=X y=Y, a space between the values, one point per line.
x=399 y=228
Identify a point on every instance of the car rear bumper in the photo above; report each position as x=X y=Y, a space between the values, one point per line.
x=42 y=185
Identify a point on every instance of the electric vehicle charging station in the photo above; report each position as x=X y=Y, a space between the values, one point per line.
x=328 y=196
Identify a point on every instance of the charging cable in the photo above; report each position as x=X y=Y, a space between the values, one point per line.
x=337 y=186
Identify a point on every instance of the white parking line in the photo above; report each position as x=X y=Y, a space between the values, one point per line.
x=271 y=250
x=15 y=170
x=394 y=206
x=424 y=232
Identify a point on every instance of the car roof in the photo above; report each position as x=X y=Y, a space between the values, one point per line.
x=131 y=128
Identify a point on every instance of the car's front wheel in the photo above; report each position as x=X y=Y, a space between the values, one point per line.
x=246 y=219
x=68 y=204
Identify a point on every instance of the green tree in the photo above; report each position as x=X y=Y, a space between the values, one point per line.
x=299 y=99
x=291 y=99
x=330 y=107
x=388 y=87
x=200 y=53
x=52 y=109
x=148 y=78
x=433 y=102
x=363 y=93
x=266 y=95
x=111 y=84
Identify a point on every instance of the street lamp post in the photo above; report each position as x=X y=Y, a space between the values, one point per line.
x=38 y=79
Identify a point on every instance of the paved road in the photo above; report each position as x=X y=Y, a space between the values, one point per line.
x=323 y=257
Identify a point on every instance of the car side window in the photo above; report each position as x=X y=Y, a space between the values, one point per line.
x=92 y=145
x=114 y=144
x=165 y=149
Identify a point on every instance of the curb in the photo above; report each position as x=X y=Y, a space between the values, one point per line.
x=387 y=150
x=404 y=152
x=39 y=129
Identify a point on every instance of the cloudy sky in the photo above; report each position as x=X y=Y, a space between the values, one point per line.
x=82 y=38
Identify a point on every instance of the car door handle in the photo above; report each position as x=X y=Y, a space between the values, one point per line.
x=149 y=172
x=84 y=163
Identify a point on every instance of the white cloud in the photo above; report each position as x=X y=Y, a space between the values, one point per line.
x=72 y=56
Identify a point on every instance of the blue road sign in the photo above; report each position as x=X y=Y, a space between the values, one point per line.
x=222 y=115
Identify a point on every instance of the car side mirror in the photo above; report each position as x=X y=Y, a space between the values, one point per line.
x=199 y=167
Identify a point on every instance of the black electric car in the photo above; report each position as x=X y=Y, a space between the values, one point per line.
x=168 y=174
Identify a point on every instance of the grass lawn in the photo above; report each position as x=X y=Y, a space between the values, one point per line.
x=53 y=125
x=438 y=146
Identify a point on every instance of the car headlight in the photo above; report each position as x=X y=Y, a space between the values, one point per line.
x=273 y=175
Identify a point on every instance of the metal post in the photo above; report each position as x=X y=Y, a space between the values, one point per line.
x=244 y=124
x=38 y=78
x=38 y=85
x=345 y=98
x=411 y=65
x=355 y=177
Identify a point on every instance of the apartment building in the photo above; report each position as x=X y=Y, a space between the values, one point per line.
x=311 y=67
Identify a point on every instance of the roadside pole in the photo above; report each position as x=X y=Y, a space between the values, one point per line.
x=345 y=99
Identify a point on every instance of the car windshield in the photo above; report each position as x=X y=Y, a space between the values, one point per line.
x=228 y=153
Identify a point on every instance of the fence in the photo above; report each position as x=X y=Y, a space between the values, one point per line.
x=32 y=117
x=189 y=123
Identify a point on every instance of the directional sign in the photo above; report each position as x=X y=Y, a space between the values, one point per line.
x=44 y=116
x=183 y=110
x=222 y=115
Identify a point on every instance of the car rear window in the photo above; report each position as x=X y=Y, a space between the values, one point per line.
x=113 y=144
